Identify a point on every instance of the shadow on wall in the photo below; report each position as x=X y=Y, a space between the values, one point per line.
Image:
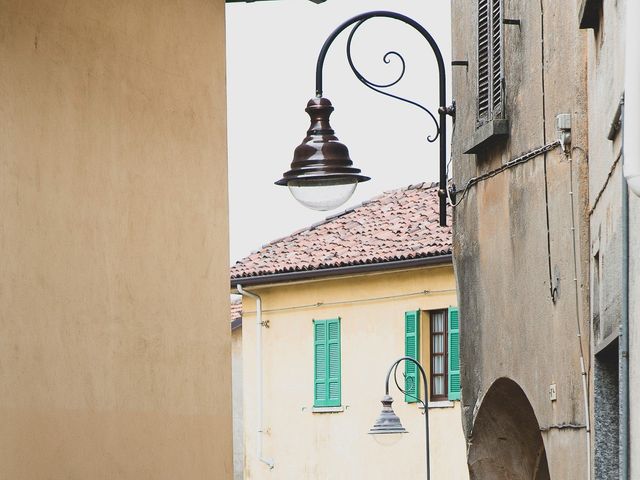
x=506 y=443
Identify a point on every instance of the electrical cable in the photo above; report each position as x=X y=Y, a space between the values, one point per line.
x=524 y=158
x=356 y=301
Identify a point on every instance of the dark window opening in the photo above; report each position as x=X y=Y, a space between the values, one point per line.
x=439 y=360
x=490 y=77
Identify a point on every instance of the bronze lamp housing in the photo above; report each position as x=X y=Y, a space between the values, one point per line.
x=322 y=175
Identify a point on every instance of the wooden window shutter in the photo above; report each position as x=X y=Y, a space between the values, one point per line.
x=411 y=349
x=327 y=363
x=320 y=362
x=333 y=363
x=490 y=78
x=496 y=58
x=484 y=62
x=454 y=354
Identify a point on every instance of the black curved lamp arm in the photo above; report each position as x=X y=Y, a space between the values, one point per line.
x=393 y=370
x=384 y=14
x=395 y=365
x=443 y=110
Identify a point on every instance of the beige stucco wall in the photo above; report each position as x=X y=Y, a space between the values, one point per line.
x=306 y=445
x=114 y=330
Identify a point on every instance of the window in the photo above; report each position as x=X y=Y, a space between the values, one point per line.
x=438 y=352
x=438 y=364
x=590 y=15
x=326 y=363
x=490 y=78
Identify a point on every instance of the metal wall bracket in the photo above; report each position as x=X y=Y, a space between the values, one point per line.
x=450 y=110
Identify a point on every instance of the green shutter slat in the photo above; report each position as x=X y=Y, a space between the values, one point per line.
x=454 y=354
x=327 y=363
x=411 y=349
x=333 y=363
x=320 y=362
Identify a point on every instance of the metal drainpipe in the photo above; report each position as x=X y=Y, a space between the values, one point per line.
x=259 y=327
x=624 y=335
x=631 y=169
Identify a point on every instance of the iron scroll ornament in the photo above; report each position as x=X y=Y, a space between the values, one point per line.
x=379 y=87
x=443 y=109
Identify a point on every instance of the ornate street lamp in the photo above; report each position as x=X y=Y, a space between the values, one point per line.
x=322 y=175
x=388 y=422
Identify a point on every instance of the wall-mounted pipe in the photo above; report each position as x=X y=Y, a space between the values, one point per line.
x=583 y=371
x=259 y=369
x=632 y=97
x=623 y=343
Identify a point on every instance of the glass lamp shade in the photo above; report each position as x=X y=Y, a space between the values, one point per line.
x=388 y=422
x=388 y=440
x=322 y=195
x=322 y=176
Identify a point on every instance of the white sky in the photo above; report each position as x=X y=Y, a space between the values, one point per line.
x=272 y=48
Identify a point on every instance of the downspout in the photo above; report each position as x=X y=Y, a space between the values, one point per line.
x=623 y=454
x=583 y=371
x=631 y=169
x=259 y=326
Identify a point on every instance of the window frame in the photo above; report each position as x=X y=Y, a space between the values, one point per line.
x=444 y=354
x=424 y=353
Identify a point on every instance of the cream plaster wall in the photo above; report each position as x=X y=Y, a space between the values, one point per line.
x=306 y=445
x=238 y=415
x=114 y=330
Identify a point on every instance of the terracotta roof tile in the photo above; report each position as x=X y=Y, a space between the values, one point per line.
x=397 y=225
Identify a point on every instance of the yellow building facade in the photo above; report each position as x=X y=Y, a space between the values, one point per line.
x=114 y=335
x=304 y=442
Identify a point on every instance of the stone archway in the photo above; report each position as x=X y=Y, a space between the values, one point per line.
x=506 y=443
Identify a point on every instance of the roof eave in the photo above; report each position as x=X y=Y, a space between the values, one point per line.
x=339 y=271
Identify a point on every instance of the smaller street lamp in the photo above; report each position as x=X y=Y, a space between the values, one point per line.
x=388 y=422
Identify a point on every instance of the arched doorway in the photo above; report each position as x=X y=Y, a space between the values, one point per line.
x=506 y=443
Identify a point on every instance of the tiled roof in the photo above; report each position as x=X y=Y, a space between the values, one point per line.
x=397 y=225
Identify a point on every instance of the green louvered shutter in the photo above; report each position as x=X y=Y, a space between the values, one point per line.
x=327 y=375
x=320 y=363
x=454 y=354
x=411 y=349
x=333 y=364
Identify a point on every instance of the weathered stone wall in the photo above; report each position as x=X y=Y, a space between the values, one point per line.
x=515 y=328
x=606 y=52
x=605 y=88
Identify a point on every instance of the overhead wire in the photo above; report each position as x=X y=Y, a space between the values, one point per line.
x=524 y=158
x=356 y=301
